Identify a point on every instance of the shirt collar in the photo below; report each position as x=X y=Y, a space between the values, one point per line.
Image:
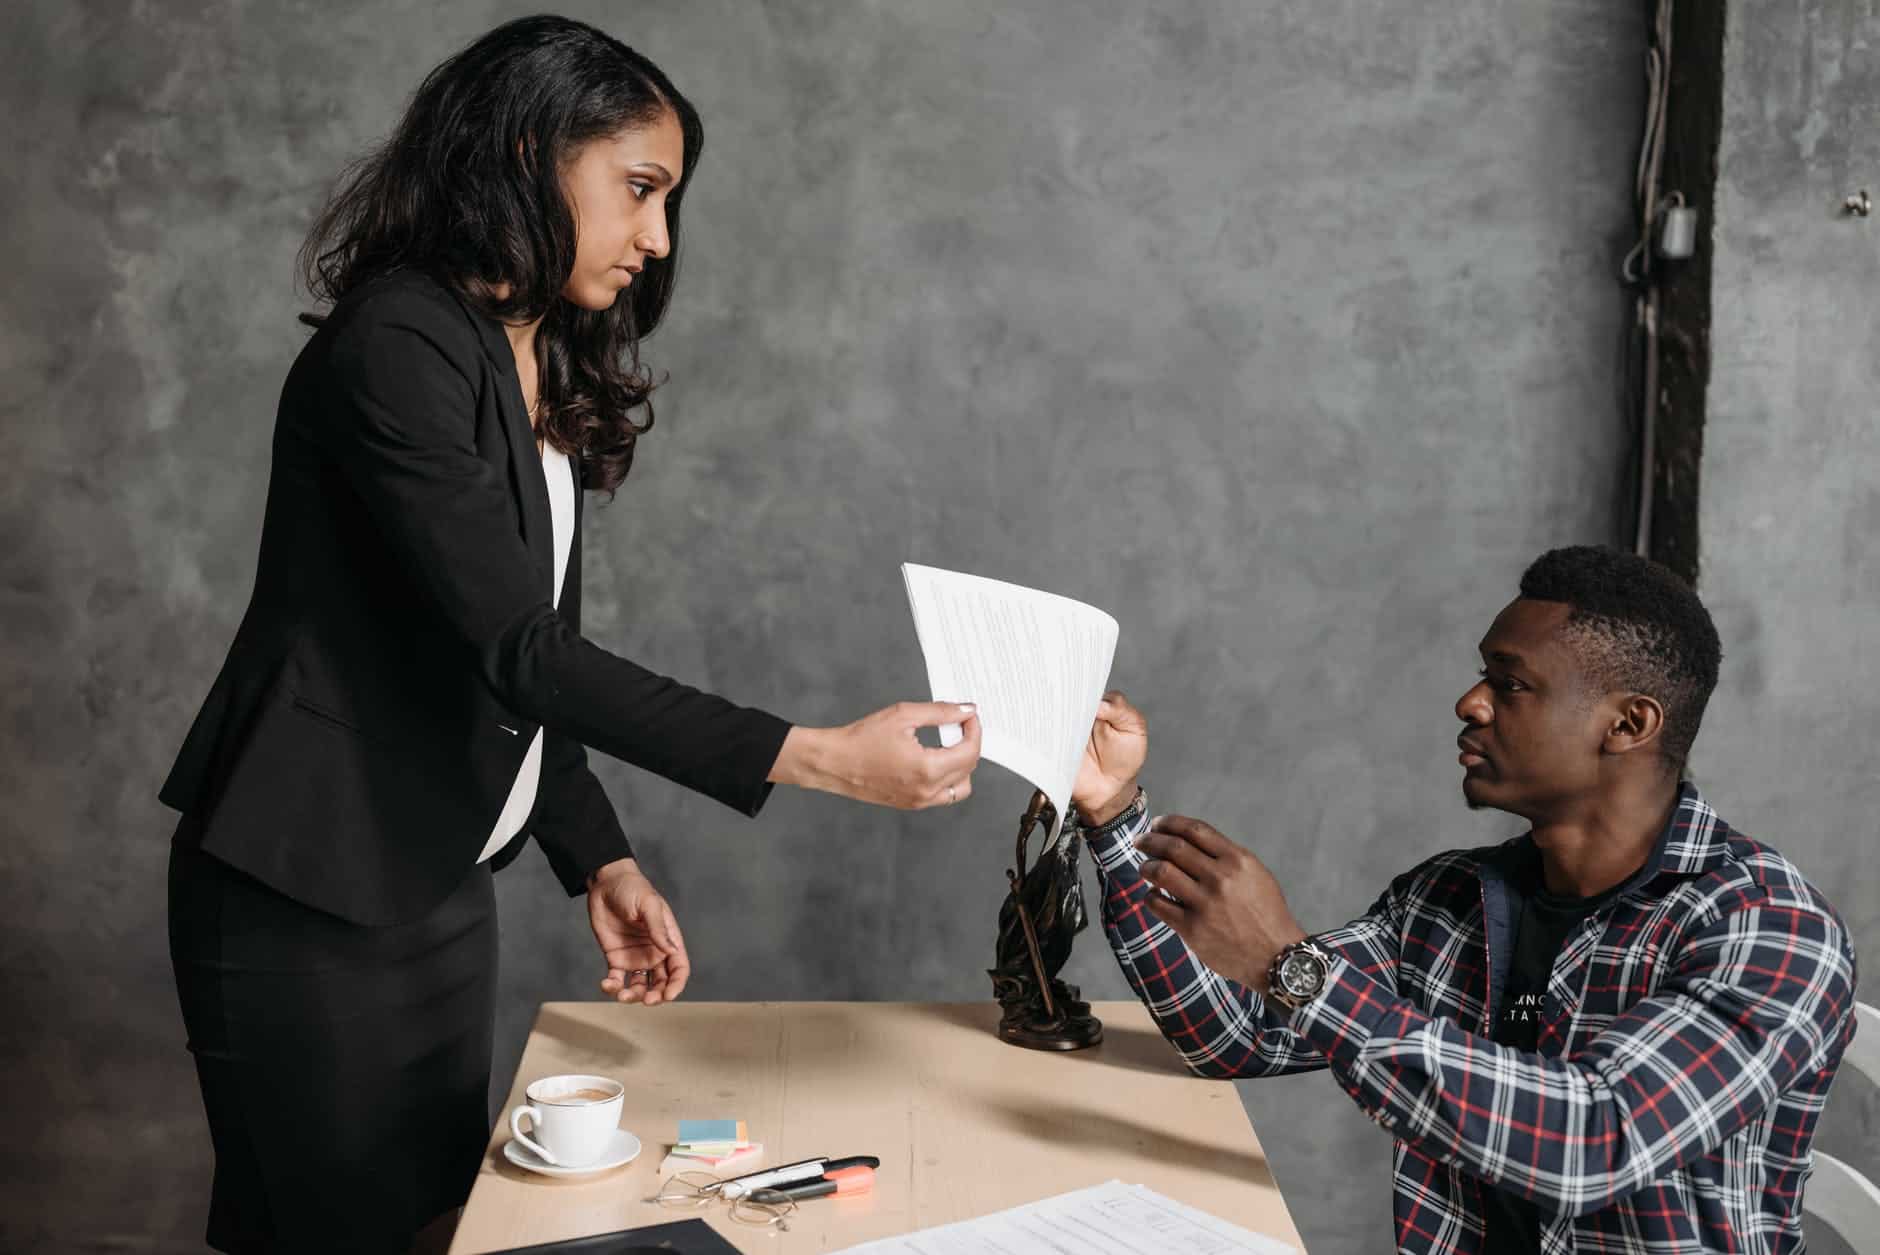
x=1695 y=841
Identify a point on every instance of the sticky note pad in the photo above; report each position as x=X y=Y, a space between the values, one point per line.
x=692 y=1132
x=679 y=1161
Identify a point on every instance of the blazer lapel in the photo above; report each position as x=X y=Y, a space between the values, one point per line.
x=525 y=464
x=525 y=472
x=570 y=603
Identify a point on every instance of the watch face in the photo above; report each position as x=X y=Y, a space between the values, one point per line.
x=1301 y=974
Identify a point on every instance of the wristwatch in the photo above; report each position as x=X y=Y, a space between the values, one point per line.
x=1297 y=974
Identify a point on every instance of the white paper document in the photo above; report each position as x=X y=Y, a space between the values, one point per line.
x=1110 y=1219
x=1036 y=664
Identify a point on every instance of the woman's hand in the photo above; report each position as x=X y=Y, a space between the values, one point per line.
x=1119 y=744
x=879 y=759
x=638 y=936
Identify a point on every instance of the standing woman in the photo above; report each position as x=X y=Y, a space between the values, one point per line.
x=409 y=694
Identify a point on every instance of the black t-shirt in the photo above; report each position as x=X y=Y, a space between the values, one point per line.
x=1544 y=922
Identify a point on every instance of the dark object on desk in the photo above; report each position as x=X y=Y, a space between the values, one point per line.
x=845 y=1181
x=683 y=1237
x=1041 y=917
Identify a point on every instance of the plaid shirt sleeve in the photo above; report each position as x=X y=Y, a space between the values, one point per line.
x=1221 y=1028
x=1751 y=1000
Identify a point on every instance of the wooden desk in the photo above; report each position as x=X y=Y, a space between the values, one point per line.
x=963 y=1124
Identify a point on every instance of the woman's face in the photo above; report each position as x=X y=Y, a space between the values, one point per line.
x=617 y=188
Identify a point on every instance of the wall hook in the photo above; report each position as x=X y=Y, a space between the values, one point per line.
x=1860 y=204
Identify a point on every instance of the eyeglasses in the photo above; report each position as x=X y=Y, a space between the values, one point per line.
x=695 y=1191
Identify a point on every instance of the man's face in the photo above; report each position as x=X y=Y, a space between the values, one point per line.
x=1534 y=731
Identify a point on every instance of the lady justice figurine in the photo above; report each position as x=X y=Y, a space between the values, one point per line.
x=1040 y=918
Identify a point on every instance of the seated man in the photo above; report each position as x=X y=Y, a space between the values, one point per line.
x=1612 y=1033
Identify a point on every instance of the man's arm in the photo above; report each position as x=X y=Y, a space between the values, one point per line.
x=1750 y=1001
x=1221 y=1028
x=1755 y=999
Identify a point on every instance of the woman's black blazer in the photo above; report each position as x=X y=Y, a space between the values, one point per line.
x=401 y=647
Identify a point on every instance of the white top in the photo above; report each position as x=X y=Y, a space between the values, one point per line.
x=561 y=512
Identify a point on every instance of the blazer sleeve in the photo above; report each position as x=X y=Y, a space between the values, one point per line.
x=574 y=822
x=399 y=422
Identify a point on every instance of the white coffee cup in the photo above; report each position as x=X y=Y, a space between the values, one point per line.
x=573 y=1118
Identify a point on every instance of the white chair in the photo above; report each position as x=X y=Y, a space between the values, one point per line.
x=1837 y=1195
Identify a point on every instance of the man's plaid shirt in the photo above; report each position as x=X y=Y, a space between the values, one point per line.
x=1689 y=1034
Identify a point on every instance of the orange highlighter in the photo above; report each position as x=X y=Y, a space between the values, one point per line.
x=857 y=1180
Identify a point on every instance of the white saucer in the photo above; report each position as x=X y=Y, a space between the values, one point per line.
x=621 y=1149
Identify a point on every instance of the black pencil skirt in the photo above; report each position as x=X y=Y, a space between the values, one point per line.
x=344 y=1069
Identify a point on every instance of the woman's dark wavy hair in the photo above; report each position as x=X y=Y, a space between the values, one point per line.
x=448 y=194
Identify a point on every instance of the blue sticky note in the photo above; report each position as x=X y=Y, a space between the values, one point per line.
x=694 y=1131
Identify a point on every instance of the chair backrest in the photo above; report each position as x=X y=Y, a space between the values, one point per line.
x=1838 y=1195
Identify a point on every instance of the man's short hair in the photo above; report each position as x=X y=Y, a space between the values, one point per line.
x=1635 y=626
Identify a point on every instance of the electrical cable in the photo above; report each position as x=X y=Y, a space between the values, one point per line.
x=1636 y=269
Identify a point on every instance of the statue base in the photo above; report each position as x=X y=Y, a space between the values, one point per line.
x=1027 y=1022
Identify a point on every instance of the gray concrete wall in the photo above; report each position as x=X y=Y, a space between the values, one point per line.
x=1791 y=470
x=1284 y=331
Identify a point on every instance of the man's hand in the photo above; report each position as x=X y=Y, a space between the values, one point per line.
x=1228 y=907
x=638 y=936
x=1113 y=758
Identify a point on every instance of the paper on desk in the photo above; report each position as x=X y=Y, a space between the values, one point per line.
x=1108 y=1219
x=1034 y=663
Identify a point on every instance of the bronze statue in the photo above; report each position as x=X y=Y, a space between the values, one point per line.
x=1041 y=917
